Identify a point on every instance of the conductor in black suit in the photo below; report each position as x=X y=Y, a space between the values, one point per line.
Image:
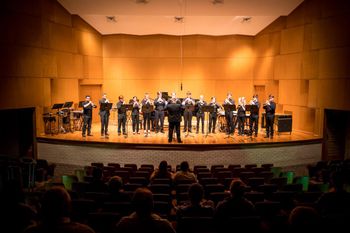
x=270 y=108
x=174 y=117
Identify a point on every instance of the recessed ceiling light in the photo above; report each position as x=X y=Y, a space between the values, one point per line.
x=179 y=19
x=142 y=1
x=111 y=19
x=217 y=2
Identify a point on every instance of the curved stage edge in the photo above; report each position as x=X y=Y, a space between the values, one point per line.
x=71 y=151
x=179 y=146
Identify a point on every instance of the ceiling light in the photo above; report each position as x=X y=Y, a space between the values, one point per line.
x=246 y=19
x=179 y=19
x=142 y=1
x=111 y=19
x=217 y=2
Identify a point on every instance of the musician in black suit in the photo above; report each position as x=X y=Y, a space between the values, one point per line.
x=104 y=115
x=254 y=116
x=121 y=115
x=135 y=115
x=241 y=115
x=88 y=105
x=146 y=115
x=213 y=115
x=188 y=112
x=199 y=112
x=174 y=118
x=270 y=108
x=229 y=114
x=160 y=105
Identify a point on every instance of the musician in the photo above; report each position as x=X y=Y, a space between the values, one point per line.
x=121 y=115
x=160 y=105
x=187 y=103
x=241 y=115
x=174 y=117
x=146 y=115
x=213 y=115
x=254 y=116
x=88 y=105
x=200 y=112
x=104 y=115
x=270 y=107
x=135 y=115
x=229 y=114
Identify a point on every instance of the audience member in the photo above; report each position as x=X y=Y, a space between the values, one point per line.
x=236 y=205
x=162 y=172
x=15 y=214
x=185 y=174
x=115 y=184
x=55 y=212
x=143 y=219
x=97 y=184
x=304 y=219
x=337 y=200
x=198 y=207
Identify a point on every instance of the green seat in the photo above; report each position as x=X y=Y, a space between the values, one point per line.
x=304 y=180
x=67 y=181
x=276 y=171
x=289 y=175
x=80 y=173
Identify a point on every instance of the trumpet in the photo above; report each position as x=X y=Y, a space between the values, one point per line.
x=228 y=101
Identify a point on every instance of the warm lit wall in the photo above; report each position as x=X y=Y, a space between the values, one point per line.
x=45 y=51
x=303 y=59
x=133 y=65
x=307 y=54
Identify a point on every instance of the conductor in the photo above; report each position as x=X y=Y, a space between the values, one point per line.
x=174 y=117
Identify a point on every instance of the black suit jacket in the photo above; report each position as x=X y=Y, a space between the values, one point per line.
x=174 y=112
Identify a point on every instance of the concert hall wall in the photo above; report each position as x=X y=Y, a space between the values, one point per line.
x=50 y=56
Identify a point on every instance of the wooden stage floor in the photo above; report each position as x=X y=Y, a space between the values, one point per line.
x=191 y=141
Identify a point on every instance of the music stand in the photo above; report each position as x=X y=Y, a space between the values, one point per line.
x=125 y=108
x=229 y=108
x=106 y=106
x=57 y=106
x=81 y=104
x=207 y=109
x=189 y=108
x=147 y=108
x=68 y=104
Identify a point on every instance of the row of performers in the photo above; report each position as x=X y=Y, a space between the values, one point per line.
x=176 y=109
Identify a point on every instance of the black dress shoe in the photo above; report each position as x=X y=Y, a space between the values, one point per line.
x=271 y=137
x=90 y=134
x=179 y=141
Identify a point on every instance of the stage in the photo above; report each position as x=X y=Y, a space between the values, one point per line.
x=71 y=151
x=191 y=141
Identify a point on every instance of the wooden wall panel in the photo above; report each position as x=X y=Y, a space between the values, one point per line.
x=310 y=65
x=92 y=67
x=334 y=63
x=303 y=117
x=293 y=92
x=264 y=68
x=64 y=90
x=288 y=66
x=61 y=38
x=292 y=40
x=331 y=32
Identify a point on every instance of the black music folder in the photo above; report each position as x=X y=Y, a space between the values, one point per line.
x=57 y=106
x=68 y=104
x=229 y=107
x=106 y=106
